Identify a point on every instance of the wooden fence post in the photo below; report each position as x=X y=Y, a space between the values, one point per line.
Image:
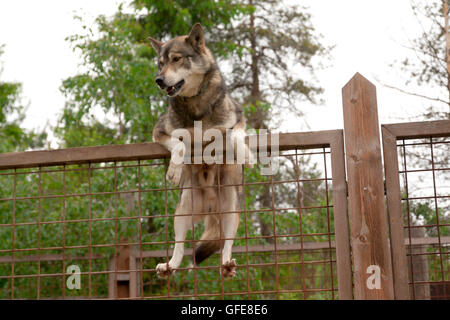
x=368 y=220
x=123 y=284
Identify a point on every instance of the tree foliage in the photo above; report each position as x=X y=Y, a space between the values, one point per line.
x=12 y=113
x=272 y=68
x=427 y=64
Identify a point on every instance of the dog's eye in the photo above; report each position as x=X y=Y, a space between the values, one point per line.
x=176 y=59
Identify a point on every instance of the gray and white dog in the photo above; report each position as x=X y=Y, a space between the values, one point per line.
x=189 y=74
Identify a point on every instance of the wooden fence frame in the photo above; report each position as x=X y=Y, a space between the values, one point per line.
x=391 y=133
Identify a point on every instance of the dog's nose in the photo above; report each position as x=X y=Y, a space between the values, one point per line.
x=160 y=82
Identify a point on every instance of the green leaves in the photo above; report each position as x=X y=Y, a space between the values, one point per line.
x=118 y=85
x=12 y=113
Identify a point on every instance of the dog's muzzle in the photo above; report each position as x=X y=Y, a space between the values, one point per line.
x=170 y=90
x=160 y=82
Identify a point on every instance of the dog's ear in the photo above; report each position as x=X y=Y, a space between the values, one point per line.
x=196 y=38
x=156 y=44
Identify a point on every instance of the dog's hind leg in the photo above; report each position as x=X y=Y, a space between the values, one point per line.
x=229 y=224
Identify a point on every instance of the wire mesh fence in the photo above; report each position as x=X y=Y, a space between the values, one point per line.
x=425 y=175
x=418 y=196
x=111 y=222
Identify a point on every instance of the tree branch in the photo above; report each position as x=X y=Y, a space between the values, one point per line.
x=415 y=94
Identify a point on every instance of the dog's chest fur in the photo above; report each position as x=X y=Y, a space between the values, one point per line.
x=219 y=112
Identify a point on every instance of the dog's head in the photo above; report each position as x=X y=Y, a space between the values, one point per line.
x=183 y=63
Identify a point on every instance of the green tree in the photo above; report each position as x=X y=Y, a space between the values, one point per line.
x=13 y=137
x=429 y=62
x=272 y=69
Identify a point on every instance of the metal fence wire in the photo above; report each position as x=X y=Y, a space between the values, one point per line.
x=111 y=223
x=425 y=175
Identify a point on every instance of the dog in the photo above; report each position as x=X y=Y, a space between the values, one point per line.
x=190 y=76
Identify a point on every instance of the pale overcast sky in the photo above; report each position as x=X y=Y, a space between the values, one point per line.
x=367 y=34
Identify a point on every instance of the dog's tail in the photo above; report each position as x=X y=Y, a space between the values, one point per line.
x=210 y=241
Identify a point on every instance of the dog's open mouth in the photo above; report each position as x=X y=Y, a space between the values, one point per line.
x=174 y=89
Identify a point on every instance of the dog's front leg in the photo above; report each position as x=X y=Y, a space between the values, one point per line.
x=242 y=152
x=176 y=163
x=182 y=224
x=177 y=150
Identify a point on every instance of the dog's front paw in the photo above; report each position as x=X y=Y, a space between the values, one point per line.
x=163 y=270
x=243 y=153
x=229 y=269
x=174 y=173
x=250 y=159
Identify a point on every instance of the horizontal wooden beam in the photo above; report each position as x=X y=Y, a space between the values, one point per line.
x=143 y=151
x=129 y=152
x=427 y=241
x=412 y=130
x=307 y=246
x=251 y=249
x=48 y=257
